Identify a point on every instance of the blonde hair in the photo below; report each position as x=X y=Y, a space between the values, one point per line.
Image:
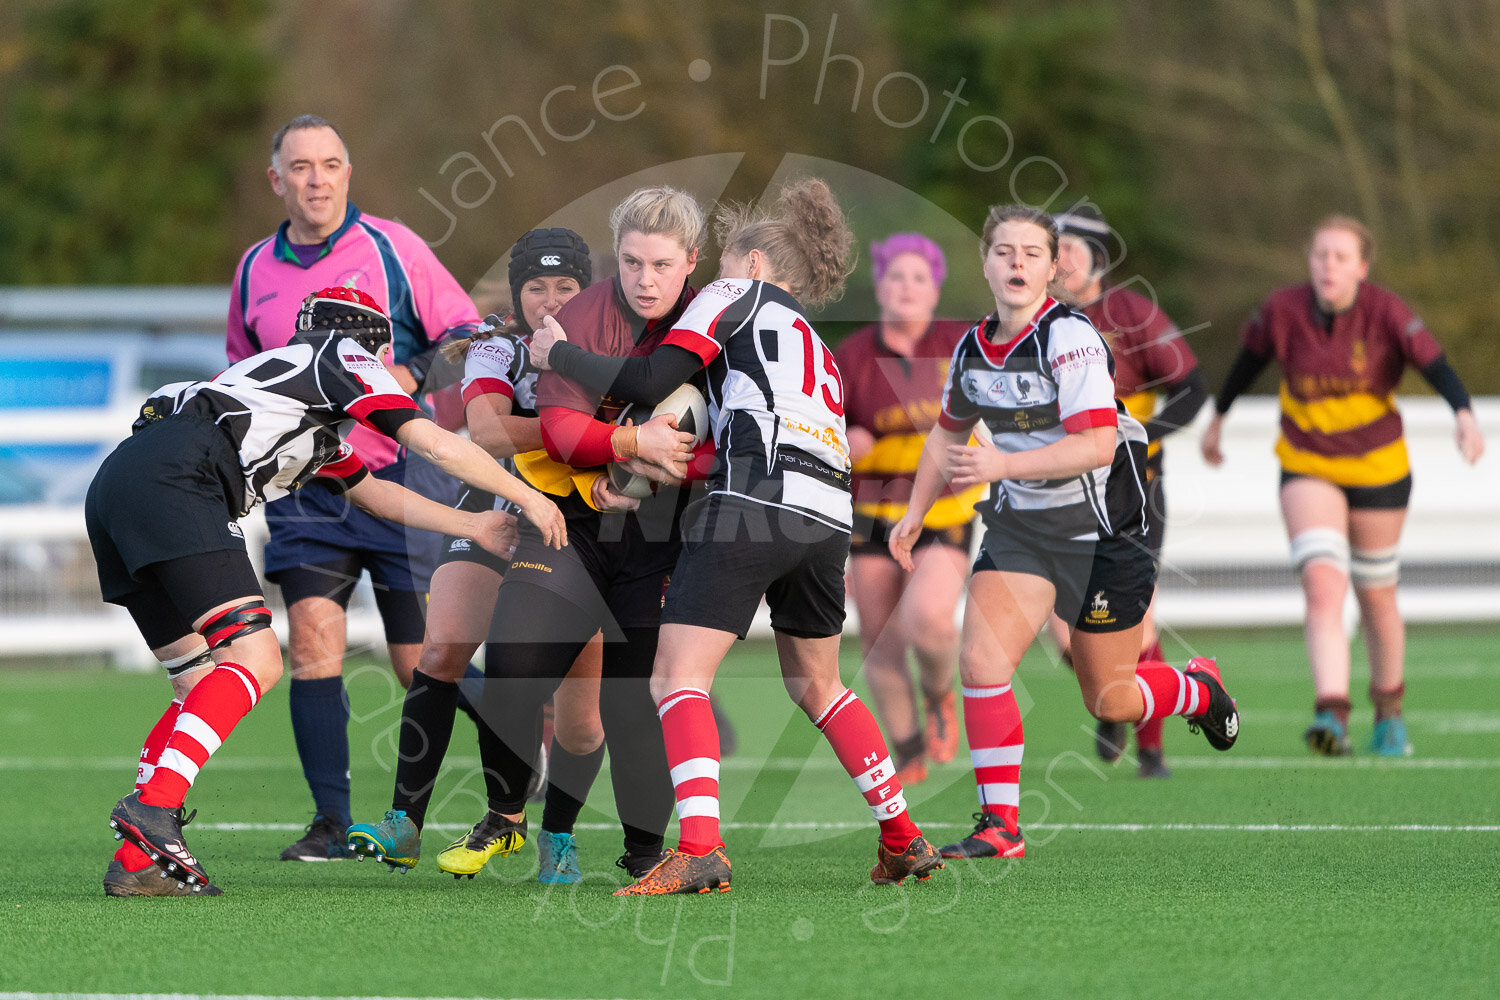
x=1001 y=214
x=661 y=211
x=455 y=348
x=805 y=240
x=1348 y=224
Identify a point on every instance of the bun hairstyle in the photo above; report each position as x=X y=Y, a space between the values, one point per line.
x=804 y=239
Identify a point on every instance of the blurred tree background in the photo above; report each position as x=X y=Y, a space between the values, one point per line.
x=133 y=133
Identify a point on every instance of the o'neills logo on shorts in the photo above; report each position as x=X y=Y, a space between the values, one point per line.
x=543 y=567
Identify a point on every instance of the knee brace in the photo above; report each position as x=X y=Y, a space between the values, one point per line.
x=1375 y=567
x=234 y=623
x=197 y=659
x=1324 y=545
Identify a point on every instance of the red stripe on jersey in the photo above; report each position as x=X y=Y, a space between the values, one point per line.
x=363 y=407
x=705 y=347
x=341 y=468
x=1085 y=419
x=485 y=386
x=949 y=422
x=997 y=353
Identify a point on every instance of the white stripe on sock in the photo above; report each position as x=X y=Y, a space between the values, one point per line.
x=698 y=805
x=1146 y=694
x=986 y=692
x=997 y=756
x=1000 y=794
x=194 y=726
x=875 y=776
x=697 y=767
x=176 y=760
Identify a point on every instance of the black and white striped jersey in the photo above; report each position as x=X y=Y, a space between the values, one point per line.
x=775 y=399
x=1052 y=379
x=289 y=409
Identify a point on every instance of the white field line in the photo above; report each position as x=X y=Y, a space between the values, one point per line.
x=822 y=760
x=1069 y=827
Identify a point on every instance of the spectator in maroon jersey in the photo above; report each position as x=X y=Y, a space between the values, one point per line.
x=1343 y=344
x=1158 y=379
x=894 y=370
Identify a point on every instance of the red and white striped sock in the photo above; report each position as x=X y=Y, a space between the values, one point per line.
x=133 y=858
x=1168 y=691
x=992 y=721
x=209 y=714
x=855 y=737
x=692 y=741
x=1148 y=731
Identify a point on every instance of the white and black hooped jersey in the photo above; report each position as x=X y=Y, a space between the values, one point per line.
x=288 y=411
x=775 y=399
x=502 y=364
x=1053 y=379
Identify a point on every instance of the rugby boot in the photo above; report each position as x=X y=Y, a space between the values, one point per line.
x=494 y=835
x=323 y=840
x=1389 y=739
x=157 y=830
x=637 y=863
x=1219 y=722
x=683 y=874
x=150 y=881
x=942 y=729
x=919 y=861
x=394 y=840
x=1109 y=740
x=557 y=857
x=1152 y=764
x=1327 y=736
x=990 y=839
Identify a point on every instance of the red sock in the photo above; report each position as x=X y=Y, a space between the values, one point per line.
x=855 y=737
x=992 y=721
x=133 y=858
x=692 y=739
x=1148 y=731
x=1168 y=691
x=209 y=714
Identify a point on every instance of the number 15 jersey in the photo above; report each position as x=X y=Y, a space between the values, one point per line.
x=775 y=400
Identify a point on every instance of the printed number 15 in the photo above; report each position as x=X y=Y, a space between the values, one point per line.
x=812 y=378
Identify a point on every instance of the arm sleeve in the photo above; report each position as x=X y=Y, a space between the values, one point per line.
x=1242 y=374
x=575 y=438
x=647 y=379
x=1184 y=399
x=1441 y=376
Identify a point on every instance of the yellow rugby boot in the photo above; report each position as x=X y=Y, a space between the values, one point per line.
x=490 y=836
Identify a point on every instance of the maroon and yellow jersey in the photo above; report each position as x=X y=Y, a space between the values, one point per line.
x=1338 y=409
x=898 y=399
x=1150 y=354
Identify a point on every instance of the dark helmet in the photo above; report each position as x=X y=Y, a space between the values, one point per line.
x=547 y=252
x=348 y=312
x=1087 y=223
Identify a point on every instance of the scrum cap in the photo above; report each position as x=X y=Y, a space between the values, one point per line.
x=346 y=311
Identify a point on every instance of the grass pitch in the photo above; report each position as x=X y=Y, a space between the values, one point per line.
x=1259 y=873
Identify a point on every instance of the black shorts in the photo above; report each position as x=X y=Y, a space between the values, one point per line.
x=871 y=536
x=456 y=549
x=736 y=551
x=614 y=569
x=161 y=519
x=1103 y=586
x=1390 y=496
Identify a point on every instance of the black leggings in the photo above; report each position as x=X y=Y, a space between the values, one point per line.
x=544 y=633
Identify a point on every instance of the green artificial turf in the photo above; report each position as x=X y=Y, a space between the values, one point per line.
x=1263 y=872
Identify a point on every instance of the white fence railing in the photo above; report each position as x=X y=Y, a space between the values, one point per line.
x=1225 y=557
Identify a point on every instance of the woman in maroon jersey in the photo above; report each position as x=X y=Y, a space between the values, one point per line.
x=895 y=370
x=1343 y=344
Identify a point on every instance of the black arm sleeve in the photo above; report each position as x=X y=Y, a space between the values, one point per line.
x=647 y=379
x=1242 y=374
x=1185 y=398
x=1441 y=376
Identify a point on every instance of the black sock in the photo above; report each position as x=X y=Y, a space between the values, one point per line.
x=470 y=692
x=320 y=727
x=426 y=727
x=569 y=779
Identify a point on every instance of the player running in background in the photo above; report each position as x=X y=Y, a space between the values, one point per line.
x=162 y=516
x=775 y=522
x=1064 y=523
x=1343 y=344
x=1157 y=378
x=319 y=546
x=895 y=371
x=613 y=572
x=547 y=268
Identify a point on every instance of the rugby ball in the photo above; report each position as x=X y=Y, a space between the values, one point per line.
x=687 y=404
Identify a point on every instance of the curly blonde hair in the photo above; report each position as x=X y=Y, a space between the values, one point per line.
x=807 y=245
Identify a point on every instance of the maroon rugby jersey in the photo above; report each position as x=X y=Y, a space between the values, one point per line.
x=1338 y=410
